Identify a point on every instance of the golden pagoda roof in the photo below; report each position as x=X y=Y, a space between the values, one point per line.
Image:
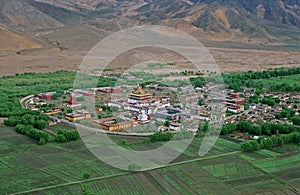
x=139 y=92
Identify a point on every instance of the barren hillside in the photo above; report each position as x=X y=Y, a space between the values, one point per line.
x=12 y=41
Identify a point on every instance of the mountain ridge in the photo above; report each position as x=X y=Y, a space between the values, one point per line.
x=248 y=21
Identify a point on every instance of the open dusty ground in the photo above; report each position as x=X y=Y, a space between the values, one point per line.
x=228 y=60
x=235 y=60
x=66 y=50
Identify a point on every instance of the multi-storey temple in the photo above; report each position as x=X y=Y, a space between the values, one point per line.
x=139 y=95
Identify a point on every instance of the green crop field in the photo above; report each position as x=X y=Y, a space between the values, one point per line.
x=25 y=165
x=30 y=166
x=280 y=80
x=220 y=147
x=285 y=167
x=222 y=175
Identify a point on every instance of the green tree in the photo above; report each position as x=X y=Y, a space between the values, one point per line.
x=296 y=120
x=201 y=102
x=60 y=138
x=42 y=141
x=41 y=124
x=86 y=176
x=124 y=142
x=167 y=123
x=250 y=146
x=205 y=126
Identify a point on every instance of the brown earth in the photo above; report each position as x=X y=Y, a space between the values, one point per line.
x=65 y=49
x=228 y=60
x=15 y=42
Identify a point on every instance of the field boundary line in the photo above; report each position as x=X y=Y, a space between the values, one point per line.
x=280 y=181
x=123 y=174
x=72 y=183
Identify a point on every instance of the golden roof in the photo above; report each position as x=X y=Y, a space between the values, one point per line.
x=139 y=92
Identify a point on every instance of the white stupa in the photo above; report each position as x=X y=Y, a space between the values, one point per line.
x=31 y=101
x=143 y=117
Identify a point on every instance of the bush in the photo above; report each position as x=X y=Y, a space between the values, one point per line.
x=86 y=176
x=67 y=136
x=37 y=120
x=42 y=141
x=41 y=124
x=203 y=127
x=228 y=128
x=160 y=136
x=31 y=132
x=250 y=146
x=244 y=126
x=60 y=138
x=292 y=138
x=255 y=130
x=296 y=120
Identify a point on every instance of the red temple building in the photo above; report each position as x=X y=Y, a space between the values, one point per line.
x=72 y=102
x=45 y=96
x=110 y=90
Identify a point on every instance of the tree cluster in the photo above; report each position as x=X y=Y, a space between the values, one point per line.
x=264 y=142
x=259 y=129
x=286 y=113
x=296 y=120
x=160 y=136
x=33 y=133
x=228 y=128
x=203 y=127
x=236 y=81
x=197 y=82
x=65 y=136
x=268 y=101
x=38 y=121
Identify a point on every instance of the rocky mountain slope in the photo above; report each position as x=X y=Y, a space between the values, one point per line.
x=255 y=21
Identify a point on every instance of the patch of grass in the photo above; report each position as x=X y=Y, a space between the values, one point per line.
x=157 y=65
x=61 y=126
x=279 y=80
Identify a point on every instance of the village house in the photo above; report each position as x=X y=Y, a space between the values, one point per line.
x=110 y=90
x=175 y=126
x=52 y=111
x=114 y=124
x=163 y=129
x=78 y=115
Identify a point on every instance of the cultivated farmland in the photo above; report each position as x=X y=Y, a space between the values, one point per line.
x=55 y=167
x=223 y=175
